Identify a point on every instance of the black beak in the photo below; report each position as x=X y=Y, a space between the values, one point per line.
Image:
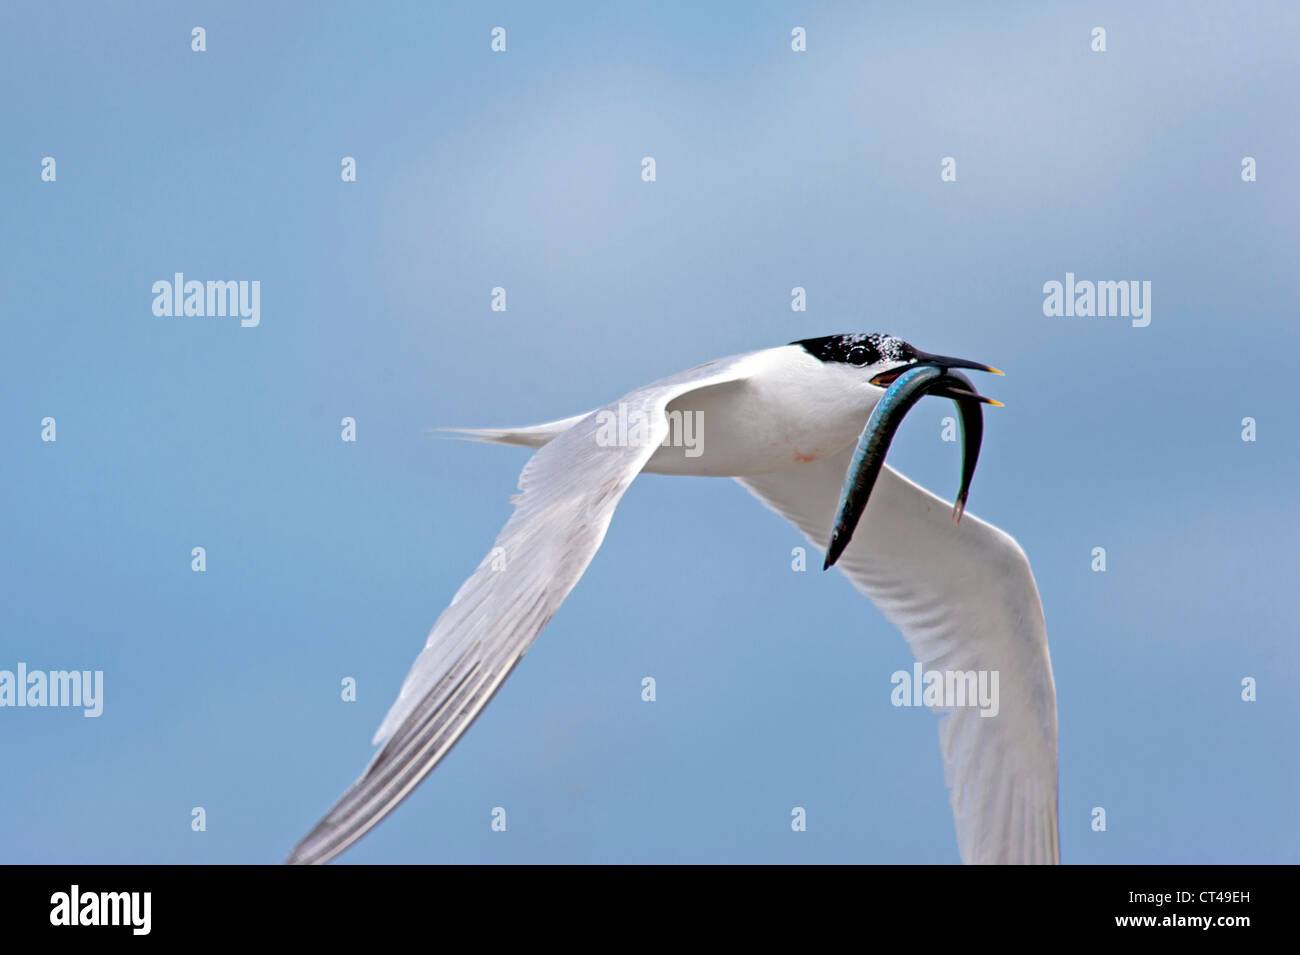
x=956 y=393
x=886 y=378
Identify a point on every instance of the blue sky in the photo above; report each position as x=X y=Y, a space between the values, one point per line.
x=775 y=169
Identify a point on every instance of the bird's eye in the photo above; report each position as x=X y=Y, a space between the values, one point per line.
x=859 y=355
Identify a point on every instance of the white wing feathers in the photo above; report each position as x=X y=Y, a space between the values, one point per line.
x=568 y=492
x=965 y=599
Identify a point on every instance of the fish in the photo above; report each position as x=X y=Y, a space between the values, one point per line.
x=903 y=392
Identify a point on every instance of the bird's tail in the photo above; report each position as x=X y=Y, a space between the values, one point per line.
x=531 y=437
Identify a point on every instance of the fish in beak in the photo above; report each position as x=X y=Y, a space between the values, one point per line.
x=907 y=384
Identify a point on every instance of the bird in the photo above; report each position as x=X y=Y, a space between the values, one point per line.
x=782 y=422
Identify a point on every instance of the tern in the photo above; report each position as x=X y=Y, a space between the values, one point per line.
x=803 y=427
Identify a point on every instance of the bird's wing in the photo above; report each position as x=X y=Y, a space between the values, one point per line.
x=965 y=599
x=568 y=492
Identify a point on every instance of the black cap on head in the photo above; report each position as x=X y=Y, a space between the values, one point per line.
x=862 y=349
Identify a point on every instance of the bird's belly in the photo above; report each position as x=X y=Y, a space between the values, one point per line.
x=745 y=428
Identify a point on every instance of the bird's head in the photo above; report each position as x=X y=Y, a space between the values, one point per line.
x=880 y=356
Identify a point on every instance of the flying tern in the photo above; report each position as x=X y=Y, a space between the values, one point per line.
x=804 y=428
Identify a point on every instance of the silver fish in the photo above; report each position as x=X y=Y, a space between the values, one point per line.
x=869 y=457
